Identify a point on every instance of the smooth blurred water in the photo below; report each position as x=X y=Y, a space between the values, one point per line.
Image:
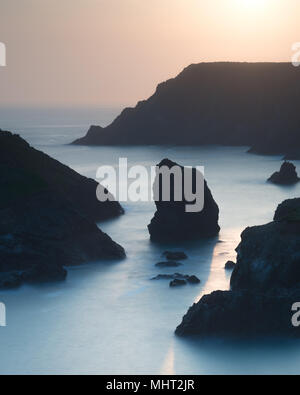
x=110 y=318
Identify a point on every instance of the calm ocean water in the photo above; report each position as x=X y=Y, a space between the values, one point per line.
x=109 y=318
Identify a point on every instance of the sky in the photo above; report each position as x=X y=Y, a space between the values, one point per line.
x=76 y=53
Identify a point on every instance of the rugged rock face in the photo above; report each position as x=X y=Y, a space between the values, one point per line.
x=253 y=104
x=242 y=314
x=286 y=176
x=269 y=255
x=265 y=283
x=172 y=222
x=16 y=153
x=41 y=230
x=229 y=265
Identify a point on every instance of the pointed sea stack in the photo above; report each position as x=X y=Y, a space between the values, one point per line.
x=171 y=221
x=286 y=176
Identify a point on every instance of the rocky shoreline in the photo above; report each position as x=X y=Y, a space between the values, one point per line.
x=265 y=283
x=47 y=217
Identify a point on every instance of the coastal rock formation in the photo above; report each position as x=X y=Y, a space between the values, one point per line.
x=264 y=284
x=255 y=103
x=171 y=221
x=229 y=265
x=174 y=255
x=193 y=279
x=178 y=276
x=77 y=189
x=168 y=264
x=242 y=314
x=44 y=226
x=286 y=176
x=269 y=255
x=177 y=282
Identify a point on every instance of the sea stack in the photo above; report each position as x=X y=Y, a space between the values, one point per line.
x=286 y=176
x=172 y=221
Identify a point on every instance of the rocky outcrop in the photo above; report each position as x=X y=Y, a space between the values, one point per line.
x=177 y=283
x=42 y=227
x=178 y=276
x=172 y=221
x=168 y=264
x=175 y=255
x=80 y=191
x=269 y=255
x=248 y=104
x=242 y=313
x=264 y=284
x=286 y=176
x=229 y=265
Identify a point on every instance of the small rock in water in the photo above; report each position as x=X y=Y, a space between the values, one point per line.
x=175 y=256
x=168 y=264
x=178 y=276
x=286 y=176
x=193 y=280
x=164 y=277
x=230 y=265
x=177 y=282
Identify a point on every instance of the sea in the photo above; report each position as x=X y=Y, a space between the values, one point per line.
x=110 y=317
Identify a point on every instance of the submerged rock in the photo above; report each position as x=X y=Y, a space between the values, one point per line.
x=177 y=283
x=168 y=264
x=193 y=279
x=230 y=265
x=174 y=255
x=45 y=217
x=286 y=176
x=172 y=222
x=178 y=276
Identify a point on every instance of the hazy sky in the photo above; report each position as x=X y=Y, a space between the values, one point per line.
x=114 y=52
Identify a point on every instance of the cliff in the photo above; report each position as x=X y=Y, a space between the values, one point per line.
x=265 y=284
x=251 y=104
x=46 y=216
x=79 y=190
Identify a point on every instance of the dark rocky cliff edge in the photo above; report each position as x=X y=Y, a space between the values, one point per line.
x=171 y=221
x=264 y=284
x=47 y=214
x=251 y=104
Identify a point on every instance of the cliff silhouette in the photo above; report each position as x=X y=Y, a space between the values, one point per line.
x=251 y=104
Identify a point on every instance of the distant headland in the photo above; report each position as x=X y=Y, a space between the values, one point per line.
x=251 y=104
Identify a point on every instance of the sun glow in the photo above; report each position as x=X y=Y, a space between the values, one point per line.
x=252 y=4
